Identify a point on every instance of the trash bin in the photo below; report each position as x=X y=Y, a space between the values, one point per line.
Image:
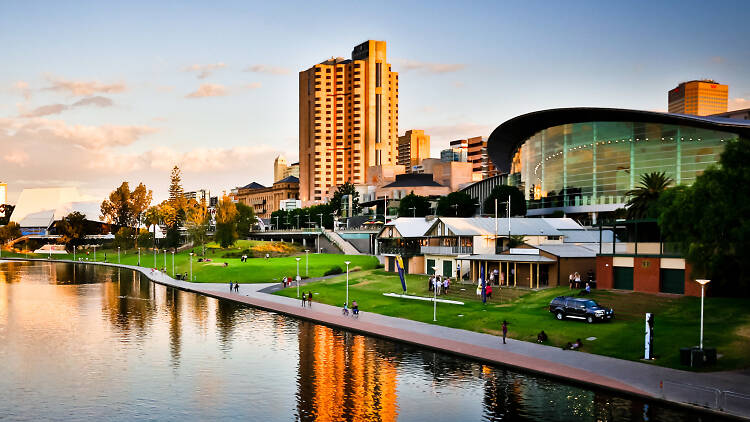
x=685 y=356
x=710 y=355
x=697 y=358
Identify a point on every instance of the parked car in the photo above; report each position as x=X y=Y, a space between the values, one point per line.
x=579 y=308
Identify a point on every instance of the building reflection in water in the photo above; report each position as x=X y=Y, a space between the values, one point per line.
x=340 y=377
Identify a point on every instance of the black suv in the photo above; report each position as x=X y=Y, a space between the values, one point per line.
x=579 y=308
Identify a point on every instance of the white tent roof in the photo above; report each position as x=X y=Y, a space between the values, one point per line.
x=485 y=226
x=39 y=207
x=410 y=226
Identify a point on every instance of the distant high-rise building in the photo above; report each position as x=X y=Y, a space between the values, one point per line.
x=454 y=154
x=281 y=170
x=348 y=120
x=700 y=98
x=476 y=153
x=199 y=195
x=413 y=147
x=3 y=193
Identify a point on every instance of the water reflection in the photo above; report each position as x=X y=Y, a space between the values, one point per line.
x=93 y=342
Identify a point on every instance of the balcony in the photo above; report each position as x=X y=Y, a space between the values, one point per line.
x=447 y=250
x=396 y=250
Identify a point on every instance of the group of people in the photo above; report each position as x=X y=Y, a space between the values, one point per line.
x=355 y=309
x=575 y=281
x=234 y=286
x=243 y=258
x=439 y=284
x=487 y=290
x=286 y=281
x=307 y=299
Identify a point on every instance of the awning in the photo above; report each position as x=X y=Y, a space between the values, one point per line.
x=509 y=258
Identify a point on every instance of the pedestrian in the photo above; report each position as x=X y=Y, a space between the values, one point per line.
x=577 y=280
x=309 y=299
x=230 y=286
x=505 y=330
x=446 y=284
x=430 y=282
x=492 y=278
x=488 y=290
x=237 y=287
x=479 y=287
x=355 y=308
x=502 y=278
x=304 y=298
x=570 y=281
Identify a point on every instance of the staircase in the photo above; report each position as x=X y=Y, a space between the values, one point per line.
x=341 y=243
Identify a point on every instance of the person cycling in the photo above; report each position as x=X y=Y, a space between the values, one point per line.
x=355 y=308
x=345 y=310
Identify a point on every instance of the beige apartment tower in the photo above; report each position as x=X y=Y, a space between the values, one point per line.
x=348 y=120
x=413 y=147
x=700 y=98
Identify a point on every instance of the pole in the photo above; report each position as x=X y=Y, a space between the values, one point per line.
x=139 y=257
x=508 y=221
x=191 y=266
x=172 y=262
x=94 y=253
x=495 y=225
x=154 y=257
x=434 y=300
x=165 y=260
x=702 y=287
x=297 y=276
x=118 y=254
x=307 y=262
x=347 y=280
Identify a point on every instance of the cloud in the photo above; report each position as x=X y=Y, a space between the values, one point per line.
x=23 y=88
x=208 y=90
x=738 y=103
x=407 y=65
x=205 y=70
x=16 y=157
x=50 y=109
x=253 y=85
x=84 y=88
x=41 y=130
x=262 y=68
x=717 y=59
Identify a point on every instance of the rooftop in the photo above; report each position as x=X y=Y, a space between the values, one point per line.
x=413 y=180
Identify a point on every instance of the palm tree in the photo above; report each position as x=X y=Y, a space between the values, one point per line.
x=152 y=218
x=646 y=194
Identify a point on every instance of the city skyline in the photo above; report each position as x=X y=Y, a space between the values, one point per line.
x=92 y=95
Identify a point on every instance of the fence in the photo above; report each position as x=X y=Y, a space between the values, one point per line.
x=712 y=398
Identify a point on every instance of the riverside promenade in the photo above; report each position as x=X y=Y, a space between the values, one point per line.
x=726 y=393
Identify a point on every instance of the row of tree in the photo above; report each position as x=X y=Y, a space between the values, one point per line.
x=460 y=204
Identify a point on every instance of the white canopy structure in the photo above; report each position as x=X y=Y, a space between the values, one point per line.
x=38 y=208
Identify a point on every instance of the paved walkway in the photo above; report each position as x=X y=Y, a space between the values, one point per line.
x=722 y=391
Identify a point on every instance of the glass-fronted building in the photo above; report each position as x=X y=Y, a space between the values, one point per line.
x=585 y=160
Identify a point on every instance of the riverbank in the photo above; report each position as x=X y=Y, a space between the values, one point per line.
x=627 y=377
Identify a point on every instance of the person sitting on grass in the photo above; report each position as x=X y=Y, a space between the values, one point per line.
x=541 y=337
x=574 y=346
x=585 y=291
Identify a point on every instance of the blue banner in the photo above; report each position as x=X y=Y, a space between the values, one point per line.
x=400 y=267
x=482 y=277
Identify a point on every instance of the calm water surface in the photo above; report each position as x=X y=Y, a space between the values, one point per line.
x=96 y=343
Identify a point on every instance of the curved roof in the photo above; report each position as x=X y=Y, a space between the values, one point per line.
x=508 y=136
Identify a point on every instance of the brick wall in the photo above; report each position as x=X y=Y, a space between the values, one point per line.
x=604 y=276
x=646 y=275
x=692 y=288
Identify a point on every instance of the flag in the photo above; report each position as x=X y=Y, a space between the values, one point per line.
x=482 y=277
x=400 y=266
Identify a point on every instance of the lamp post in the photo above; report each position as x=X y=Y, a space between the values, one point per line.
x=307 y=262
x=703 y=283
x=165 y=260
x=191 y=266
x=155 y=250
x=94 y=253
x=413 y=211
x=321 y=221
x=298 y=258
x=118 y=254
x=297 y=221
x=434 y=297
x=173 y=263
x=347 y=280
x=139 y=257
x=277 y=222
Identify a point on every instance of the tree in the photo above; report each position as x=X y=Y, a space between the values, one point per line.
x=456 y=204
x=176 y=193
x=709 y=221
x=125 y=208
x=413 y=205
x=72 y=228
x=245 y=219
x=9 y=232
x=501 y=192
x=6 y=210
x=196 y=223
x=337 y=198
x=226 y=222
x=152 y=217
x=646 y=194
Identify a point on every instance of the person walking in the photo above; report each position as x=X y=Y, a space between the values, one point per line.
x=237 y=287
x=489 y=291
x=570 y=281
x=304 y=298
x=577 y=280
x=309 y=299
x=231 y=285
x=505 y=330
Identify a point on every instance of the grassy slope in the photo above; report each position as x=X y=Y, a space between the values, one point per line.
x=727 y=322
x=256 y=270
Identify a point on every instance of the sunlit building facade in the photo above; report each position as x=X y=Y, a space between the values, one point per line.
x=701 y=98
x=585 y=160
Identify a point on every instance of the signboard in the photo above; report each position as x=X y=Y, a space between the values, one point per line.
x=649 y=339
x=524 y=251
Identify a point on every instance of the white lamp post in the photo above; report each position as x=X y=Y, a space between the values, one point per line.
x=298 y=259
x=703 y=283
x=434 y=296
x=347 y=280
x=118 y=254
x=173 y=263
x=307 y=262
x=191 y=266
x=94 y=253
x=165 y=260
x=139 y=257
x=155 y=250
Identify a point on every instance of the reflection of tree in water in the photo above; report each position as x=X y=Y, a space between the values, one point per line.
x=127 y=302
x=226 y=322
x=341 y=377
x=502 y=394
x=173 y=300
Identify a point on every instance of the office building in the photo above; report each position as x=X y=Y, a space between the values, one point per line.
x=743 y=114
x=199 y=195
x=482 y=166
x=265 y=200
x=453 y=154
x=454 y=174
x=701 y=98
x=281 y=170
x=413 y=147
x=348 y=120
x=3 y=193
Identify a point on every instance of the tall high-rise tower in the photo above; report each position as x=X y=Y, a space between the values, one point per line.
x=413 y=147
x=348 y=119
x=279 y=167
x=700 y=98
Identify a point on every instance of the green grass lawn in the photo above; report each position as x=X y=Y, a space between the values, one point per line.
x=255 y=270
x=727 y=320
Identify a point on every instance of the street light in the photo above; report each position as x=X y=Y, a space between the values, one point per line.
x=191 y=266
x=298 y=258
x=173 y=263
x=434 y=296
x=165 y=260
x=118 y=254
x=139 y=257
x=94 y=253
x=703 y=283
x=414 y=211
x=155 y=250
x=347 y=280
x=307 y=261
x=321 y=221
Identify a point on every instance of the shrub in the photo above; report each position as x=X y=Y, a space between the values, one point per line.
x=356 y=269
x=334 y=270
x=238 y=254
x=380 y=266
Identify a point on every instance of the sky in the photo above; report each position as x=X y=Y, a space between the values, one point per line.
x=94 y=93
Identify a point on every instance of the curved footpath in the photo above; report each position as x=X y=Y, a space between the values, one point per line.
x=727 y=393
